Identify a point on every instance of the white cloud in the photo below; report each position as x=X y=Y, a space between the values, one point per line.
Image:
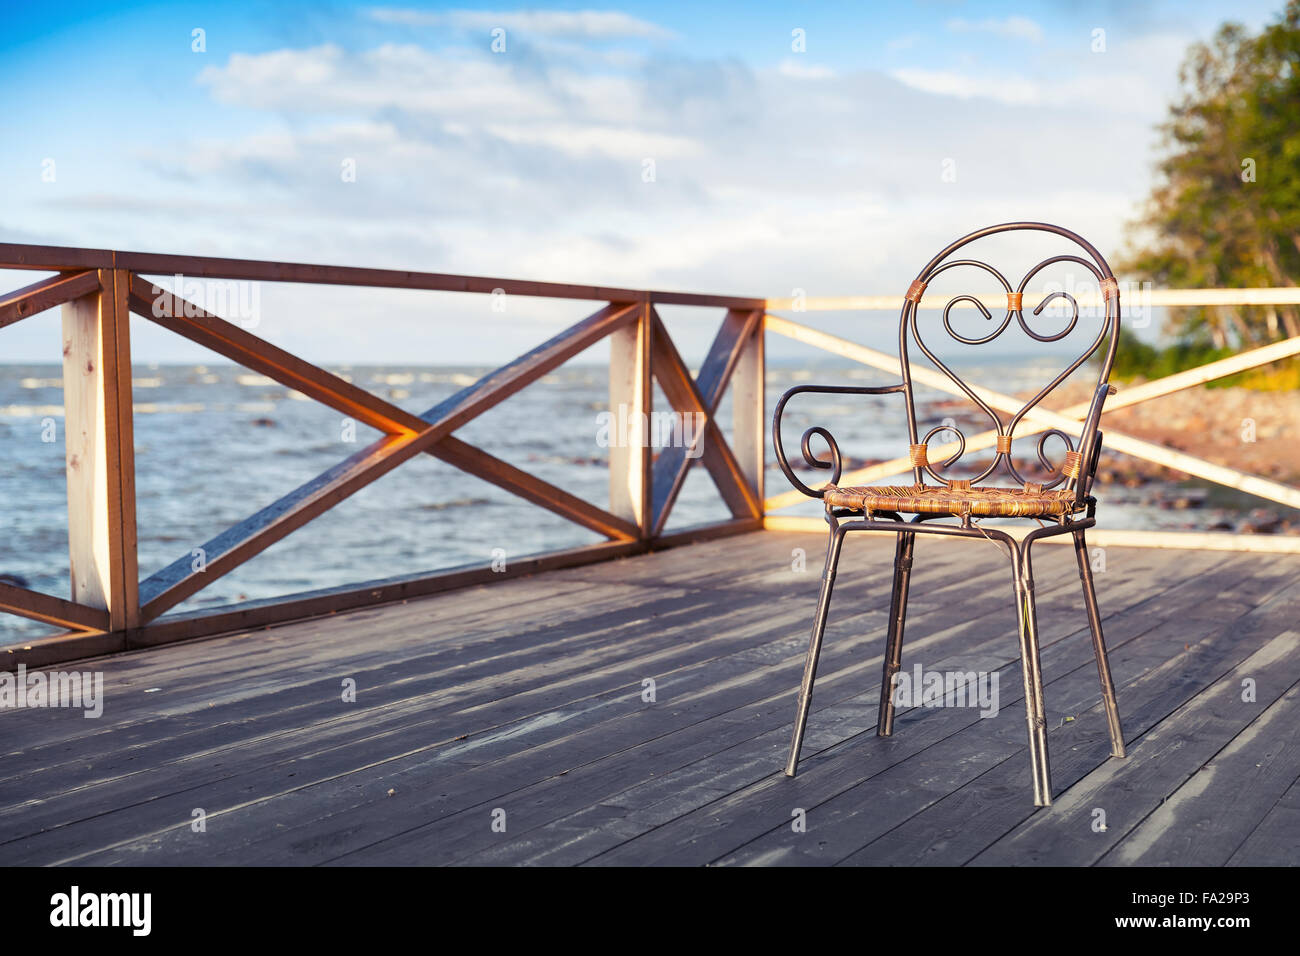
x=1126 y=91
x=804 y=71
x=558 y=155
x=1012 y=90
x=595 y=140
x=531 y=167
x=399 y=76
x=1016 y=27
x=595 y=24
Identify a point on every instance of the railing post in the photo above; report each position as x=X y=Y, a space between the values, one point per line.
x=99 y=449
x=749 y=410
x=629 y=407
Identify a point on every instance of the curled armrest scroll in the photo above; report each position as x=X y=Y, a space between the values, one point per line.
x=835 y=463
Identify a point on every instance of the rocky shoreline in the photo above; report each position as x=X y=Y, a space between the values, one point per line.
x=1254 y=432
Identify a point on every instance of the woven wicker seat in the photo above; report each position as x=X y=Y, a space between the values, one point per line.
x=927 y=499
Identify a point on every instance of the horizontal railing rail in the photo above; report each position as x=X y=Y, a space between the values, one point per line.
x=1142 y=295
x=69 y=259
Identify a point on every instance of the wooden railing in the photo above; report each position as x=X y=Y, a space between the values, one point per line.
x=111 y=608
x=1069 y=419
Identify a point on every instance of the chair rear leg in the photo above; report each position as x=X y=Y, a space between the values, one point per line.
x=1034 y=709
x=894 y=642
x=814 y=648
x=1099 y=647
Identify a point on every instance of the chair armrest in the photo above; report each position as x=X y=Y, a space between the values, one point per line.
x=835 y=463
x=1090 y=440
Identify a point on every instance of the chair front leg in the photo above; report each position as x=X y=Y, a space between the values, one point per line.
x=815 y=646
x=1099 y=647
x=894 y=642
x=1035 y=712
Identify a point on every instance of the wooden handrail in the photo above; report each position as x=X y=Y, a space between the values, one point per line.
x=58 y=258
x=99 y=289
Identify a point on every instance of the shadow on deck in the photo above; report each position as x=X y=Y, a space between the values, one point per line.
x=523 y=703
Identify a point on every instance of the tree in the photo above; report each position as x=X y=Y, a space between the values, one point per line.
x=1226 y=209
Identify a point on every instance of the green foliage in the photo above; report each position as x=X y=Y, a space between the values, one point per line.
x=1138 y=359
x=1225 y=212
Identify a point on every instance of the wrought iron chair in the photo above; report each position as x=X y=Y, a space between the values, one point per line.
x=1067 y=509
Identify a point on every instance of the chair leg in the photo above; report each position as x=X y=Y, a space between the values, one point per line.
x=814 y=648
x=1034 y=710
x=1099 y=647
x=894 y=642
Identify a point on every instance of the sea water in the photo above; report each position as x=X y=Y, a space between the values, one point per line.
x=216 y=443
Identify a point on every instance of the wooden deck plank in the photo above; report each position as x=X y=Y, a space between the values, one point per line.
x=253 y=662
x=1163 y=760
x=1215 y=812
x=675 y=639
x=247 y=664
x=602 y=742
x=976 y=815
x=605 y=632
x=798 y=611
x=745 y=816
x=849 y=712
x=758 y=761
x=429 y=709
x=306 y=678
x=540 y=678
x=1276 y=841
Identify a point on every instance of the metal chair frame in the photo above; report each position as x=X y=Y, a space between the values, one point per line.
x=1083 y=464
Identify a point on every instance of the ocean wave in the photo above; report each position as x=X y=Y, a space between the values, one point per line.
x=448 y=378
x=140 y=408
x=168 y=408
x=30 y=411
x=455 y=503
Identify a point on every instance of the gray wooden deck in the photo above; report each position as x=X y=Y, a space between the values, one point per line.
x=527 y=697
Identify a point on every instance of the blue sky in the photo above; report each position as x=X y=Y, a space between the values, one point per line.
x=774 y=167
